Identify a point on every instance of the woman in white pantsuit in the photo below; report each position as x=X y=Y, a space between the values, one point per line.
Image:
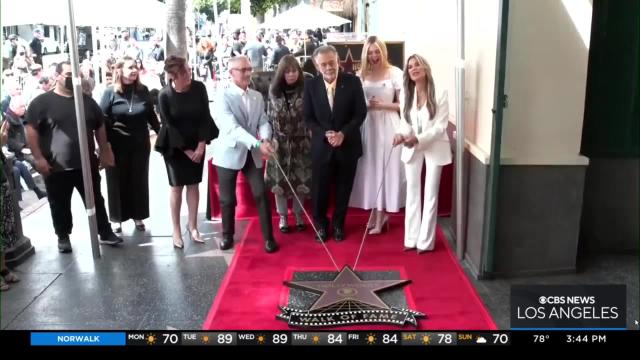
x=422 y=132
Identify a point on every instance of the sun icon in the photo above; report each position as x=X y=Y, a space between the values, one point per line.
x=371 y=339
x=151 y=339
x=315 y=339
x=426 y=339
x=205 y=339
x=261 y=339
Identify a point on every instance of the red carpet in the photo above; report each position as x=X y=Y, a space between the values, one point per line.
x=246 y=206
x=253 y=287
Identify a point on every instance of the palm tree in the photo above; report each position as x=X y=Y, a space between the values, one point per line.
x=176 y=42
x=350 y=10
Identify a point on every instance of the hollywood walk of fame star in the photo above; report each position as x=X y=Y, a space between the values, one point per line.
x=347 y=286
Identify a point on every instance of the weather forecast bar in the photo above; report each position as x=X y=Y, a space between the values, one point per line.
x=331 y=338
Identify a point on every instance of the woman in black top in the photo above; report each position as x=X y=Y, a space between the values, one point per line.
x=186 y=127
x=129 y=110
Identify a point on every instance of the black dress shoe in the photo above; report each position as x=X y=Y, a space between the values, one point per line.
x=270 y=246
x=64 y=244
x=322 y=234
x=226 y=244
x=338 y=234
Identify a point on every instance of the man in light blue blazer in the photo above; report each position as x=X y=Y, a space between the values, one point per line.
x=241 y=145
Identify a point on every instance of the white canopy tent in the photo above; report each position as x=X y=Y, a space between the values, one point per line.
x=113 y=13
x=304 y=16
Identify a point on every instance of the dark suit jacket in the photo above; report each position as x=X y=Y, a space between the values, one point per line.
x=349 y=112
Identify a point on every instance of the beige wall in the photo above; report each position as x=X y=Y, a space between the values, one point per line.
x=545 y=81
x=429 y=27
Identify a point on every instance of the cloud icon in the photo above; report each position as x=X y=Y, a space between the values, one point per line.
x=481 y=340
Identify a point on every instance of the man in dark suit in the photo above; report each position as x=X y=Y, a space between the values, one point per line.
x=334 y=109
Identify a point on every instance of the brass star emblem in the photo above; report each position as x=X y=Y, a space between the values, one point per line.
x=347 y=286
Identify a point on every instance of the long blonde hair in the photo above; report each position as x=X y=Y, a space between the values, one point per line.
x=410 y=88
x=364 y=58
x=117 y=75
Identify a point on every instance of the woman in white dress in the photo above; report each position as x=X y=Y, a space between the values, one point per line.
x=423 y=133
x=375 y=187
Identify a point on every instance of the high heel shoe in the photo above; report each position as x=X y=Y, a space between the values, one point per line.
x=178 y=245
x=377 y=230
x=140 y=226
x=197 y=239
x=372 y=221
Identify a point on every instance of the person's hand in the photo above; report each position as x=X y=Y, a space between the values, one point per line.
x=189 y=153
x=106 y=157
x=43 y=167
x=198 y=154
x=398 y=139
x=329 y=135
x=266 y=148
x=374 y=104
x=336 y=139
x=410 y=141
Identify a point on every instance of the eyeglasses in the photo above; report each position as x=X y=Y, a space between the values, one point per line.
x=244 y=70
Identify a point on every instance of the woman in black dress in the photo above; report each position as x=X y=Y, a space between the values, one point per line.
x=129 y=110
x=187 y=127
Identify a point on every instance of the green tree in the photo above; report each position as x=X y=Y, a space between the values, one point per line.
x=259 y=7
x=223 y=5
x=204 y=7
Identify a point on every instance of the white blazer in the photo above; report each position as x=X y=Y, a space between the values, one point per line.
x=433 y=141
x=239 y=125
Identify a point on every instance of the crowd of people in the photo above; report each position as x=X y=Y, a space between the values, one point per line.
x=374 y=129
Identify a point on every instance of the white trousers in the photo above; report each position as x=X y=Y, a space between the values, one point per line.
x=420 y=224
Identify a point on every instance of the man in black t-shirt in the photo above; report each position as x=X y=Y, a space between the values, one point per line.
x=52 y=134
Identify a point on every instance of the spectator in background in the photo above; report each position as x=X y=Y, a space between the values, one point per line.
x=280 y=51
x=256 y=52
x=44 y=84
x=21 y=62
x=36 y=46
x=31 y=82
x=10 y=51
x=205 y=59
x=157 y=54
x=17 y=144
x=16 y=141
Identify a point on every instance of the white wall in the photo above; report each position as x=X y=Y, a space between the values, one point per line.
x=545 y=81
x=481 y=39
x=429 y=27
